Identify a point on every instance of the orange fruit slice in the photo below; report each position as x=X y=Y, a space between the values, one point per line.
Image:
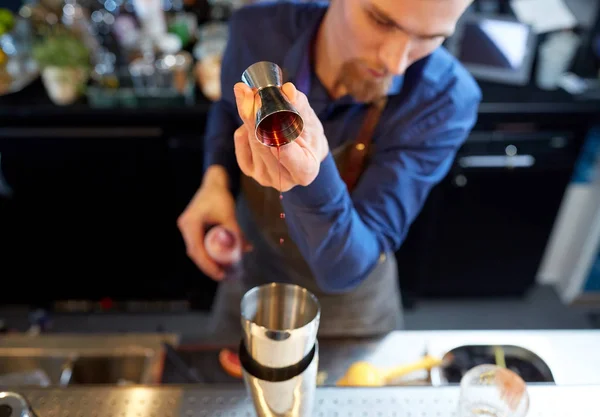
x=230 y=362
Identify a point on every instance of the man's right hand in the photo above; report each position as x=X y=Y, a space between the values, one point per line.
x=213 y=204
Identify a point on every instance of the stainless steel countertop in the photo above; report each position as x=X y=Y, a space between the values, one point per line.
x=572 y=355
x=211 y=401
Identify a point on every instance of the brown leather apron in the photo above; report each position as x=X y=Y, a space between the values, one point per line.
x=371 y=309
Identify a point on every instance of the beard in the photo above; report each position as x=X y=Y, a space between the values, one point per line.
x=362 y=88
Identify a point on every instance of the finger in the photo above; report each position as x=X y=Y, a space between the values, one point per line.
x=283 y=163
x=253 y=157
x=243 y=151
x=262 y=173
x=296 y=97
x=194 y=243
x=255 y=144
x=298 y=158
x=287 y=182
x=290 y=91
x=244 y=99
x=264 y=165
x=250 y=156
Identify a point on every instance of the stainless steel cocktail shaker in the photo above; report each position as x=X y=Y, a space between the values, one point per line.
x=279 y=352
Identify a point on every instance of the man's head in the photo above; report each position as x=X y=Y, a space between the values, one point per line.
x=378 y=39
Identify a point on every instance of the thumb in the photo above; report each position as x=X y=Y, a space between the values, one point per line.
x=296 y=97
x=290 y=91
x=244 y=100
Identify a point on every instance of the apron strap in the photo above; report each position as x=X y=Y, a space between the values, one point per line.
x=358 y=152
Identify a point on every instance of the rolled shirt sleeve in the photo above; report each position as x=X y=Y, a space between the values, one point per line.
x=342 y=236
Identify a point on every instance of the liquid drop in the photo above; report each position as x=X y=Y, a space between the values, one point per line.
x=282 y=214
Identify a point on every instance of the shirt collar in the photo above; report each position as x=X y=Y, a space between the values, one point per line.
x=396 y=86
x=296 y=63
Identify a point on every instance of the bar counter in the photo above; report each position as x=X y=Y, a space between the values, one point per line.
x=199 y=401
x=571 y=355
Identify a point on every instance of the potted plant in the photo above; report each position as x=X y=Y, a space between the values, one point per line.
x=65 y=64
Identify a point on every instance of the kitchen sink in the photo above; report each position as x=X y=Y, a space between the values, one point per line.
x=459 y=360
x=51 y=366
x=82 y=359
x=110 y=369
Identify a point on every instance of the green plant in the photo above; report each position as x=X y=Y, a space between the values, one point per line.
x=61 y=49
x=7 y=21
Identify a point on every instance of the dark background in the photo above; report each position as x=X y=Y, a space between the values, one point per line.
x=95 y=195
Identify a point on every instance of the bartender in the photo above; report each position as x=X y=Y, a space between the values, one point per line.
x=350 y=191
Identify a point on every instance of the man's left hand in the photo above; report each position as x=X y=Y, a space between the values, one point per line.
x=300 y=160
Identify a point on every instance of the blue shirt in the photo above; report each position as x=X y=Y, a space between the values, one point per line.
x=430 y=112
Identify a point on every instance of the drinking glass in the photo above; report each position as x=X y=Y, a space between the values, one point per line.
x=490 y=390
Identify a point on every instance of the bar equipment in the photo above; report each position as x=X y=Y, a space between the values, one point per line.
x=280 y=324
x=279 y=351
x=492 y=390
x=150 y=80
x=277 y=120
x=208 y=51
x=13 y=404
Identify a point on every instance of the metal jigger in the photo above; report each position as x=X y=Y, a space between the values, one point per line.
x=277 y=121
x=279 y=352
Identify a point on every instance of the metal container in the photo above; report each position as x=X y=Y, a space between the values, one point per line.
x=461 y=359
x=280 y=324
x=286 y=391
x=59 y=360
x=13 y=404
x=174 y=71
x=277 y=120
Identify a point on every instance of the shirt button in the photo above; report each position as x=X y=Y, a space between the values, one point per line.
x=360 y=146
x=382 y=258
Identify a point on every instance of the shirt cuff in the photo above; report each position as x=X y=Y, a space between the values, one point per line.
x=327 y=187
x=220 y=158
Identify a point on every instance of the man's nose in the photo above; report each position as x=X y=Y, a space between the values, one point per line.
x=395 y=53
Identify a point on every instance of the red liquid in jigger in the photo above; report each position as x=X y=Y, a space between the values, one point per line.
x=272 y=128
